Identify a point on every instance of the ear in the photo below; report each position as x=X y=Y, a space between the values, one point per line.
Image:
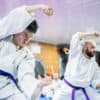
x=85 y=47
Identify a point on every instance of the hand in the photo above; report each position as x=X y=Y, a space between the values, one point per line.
x=48 y=10
x=96 y=34
x=98 y=86
x=46 y=81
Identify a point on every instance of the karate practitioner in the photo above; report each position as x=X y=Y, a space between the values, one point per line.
x=17 y=80
x=81 y=70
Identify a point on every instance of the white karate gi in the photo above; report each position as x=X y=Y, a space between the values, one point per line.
x=80 y=72
x=19 y=63
x=12 y=60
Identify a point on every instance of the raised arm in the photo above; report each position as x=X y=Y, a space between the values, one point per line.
x=83 y=34
x=18 y=19
x=46 y=9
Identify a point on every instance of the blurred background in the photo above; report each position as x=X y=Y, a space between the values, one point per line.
x=70 y=16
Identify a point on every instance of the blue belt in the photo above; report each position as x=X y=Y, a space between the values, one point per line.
x=3 y=73
x=77 y=88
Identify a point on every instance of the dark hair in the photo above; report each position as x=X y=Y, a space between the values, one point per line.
x=33 y=26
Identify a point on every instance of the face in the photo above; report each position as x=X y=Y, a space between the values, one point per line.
x=22 y=38
x=90 y=50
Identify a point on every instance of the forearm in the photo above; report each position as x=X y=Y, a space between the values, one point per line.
x=88 y=34
x=46 y=9
x=34 y=8
x=36 y=92
x=41 y=83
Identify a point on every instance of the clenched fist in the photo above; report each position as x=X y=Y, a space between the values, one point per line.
x=48 y=10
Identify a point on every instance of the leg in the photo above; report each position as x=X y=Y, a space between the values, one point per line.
x=19 y=96
x=59 y=96
x=64 y=93
x=94 y=95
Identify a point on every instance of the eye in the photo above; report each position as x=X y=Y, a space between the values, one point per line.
x=93 y=47
x=26 y=35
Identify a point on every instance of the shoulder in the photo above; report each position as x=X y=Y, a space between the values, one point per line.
x=8 y=44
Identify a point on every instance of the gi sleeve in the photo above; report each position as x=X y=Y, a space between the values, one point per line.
x=16 y=21
x=75 y=46
x=27 y=82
